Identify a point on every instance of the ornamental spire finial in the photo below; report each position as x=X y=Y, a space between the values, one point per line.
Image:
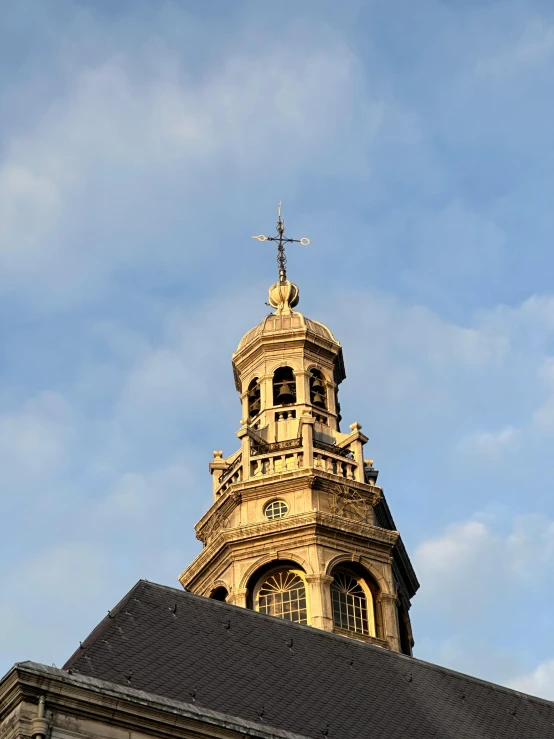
x=281 y=240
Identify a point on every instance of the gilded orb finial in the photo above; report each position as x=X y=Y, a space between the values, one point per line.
x=284 y=295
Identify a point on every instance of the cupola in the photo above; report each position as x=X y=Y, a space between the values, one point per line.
x=298 y=527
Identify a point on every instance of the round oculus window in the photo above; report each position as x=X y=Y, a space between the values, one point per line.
x=276 y=509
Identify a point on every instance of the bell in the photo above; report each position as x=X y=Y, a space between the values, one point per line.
x=318 y=399
x=255 y=407
x=253 y=392
x=317 y=383
x=285 y=391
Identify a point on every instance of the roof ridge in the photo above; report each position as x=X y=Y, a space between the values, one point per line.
x=100 y=627
x=321 y=633
x=282 y=624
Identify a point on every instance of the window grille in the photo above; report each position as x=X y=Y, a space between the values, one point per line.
x=349 y=604
x=276 y=509
x=283 y=594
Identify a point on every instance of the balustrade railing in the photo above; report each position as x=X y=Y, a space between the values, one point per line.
x=336 y=465
x=229 y=471
x=343 y=452
x=274 y=446
x=231 y=475
x=277 y=462
x=278 y=457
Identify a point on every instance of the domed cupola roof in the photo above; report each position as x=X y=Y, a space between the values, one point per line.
x=275 y=324
x=286 y=327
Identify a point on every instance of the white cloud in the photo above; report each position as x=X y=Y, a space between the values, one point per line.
x=24 y=193
x=463 y=560
x=73 y=189
x=136 y=500
x=482 y=581
x=408 y=363
x=455 y=241
x=539 y=682
x=189 y=366
x=69 y=581
x=533 y=48
x=475 y=557
x=34 y=440
x=489 y=446
x=543 y=417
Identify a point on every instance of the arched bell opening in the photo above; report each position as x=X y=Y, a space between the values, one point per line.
x=219 y=593
x=355 y=601
x=284 y=386
x=279 y=589
x=318 y=392
x=254 y=398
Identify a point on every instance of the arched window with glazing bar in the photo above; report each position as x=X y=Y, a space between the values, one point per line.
x=282 y=593
x=352 y=603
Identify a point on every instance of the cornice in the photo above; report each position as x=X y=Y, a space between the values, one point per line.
x=289 y=336
x=122 y=707
x=292 y=481
x=319 y=522
x=222 y=508
x=293 y=346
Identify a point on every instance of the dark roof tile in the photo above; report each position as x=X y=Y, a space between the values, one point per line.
x=239 y=662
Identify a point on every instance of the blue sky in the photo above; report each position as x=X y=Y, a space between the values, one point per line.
x=141 y=145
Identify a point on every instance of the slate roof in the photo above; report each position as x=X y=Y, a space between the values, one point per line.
x=224 y=658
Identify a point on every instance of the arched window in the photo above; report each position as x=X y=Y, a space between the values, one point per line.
x=284 y=386
x=282 y=593
x=254 y=395
x=318 y=394
x=352 y=603
x=219 y=593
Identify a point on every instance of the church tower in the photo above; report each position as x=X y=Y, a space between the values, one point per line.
x=299 y=527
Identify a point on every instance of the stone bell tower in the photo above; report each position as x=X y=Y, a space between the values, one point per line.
x=298 y=527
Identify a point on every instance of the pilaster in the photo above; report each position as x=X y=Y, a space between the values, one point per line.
x=302 y=387
x=390 y=621
x=244 y=437
x=307 y=423
x=238 y=597
x=319 y=594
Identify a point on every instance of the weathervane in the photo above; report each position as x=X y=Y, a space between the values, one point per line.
x=281 y=241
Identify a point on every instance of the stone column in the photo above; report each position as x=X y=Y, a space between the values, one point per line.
x=319 y=594
x=238 y=597
x=307 y=423
x=245 y=442
x=357 y=446
x=390 y=621
x=302 y=387
x=244 y=401
x=330 y=388
x=266 y=401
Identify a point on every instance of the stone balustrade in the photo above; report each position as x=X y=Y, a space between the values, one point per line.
x=230 y=477
x=279 y=462
x=287 y=456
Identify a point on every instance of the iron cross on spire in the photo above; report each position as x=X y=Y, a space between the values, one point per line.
x=281 y=240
